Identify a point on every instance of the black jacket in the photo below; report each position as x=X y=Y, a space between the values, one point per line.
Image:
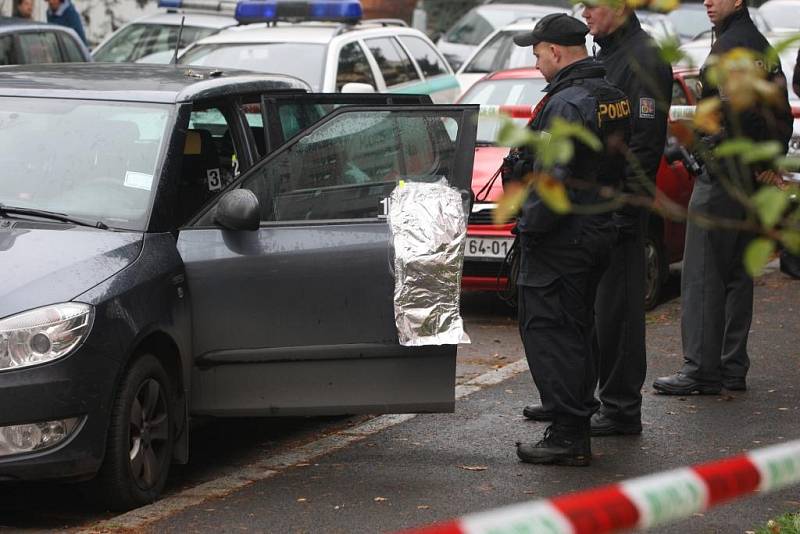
x=796 y=77
x=579 y=93
x=634 y=64
x=760 y=122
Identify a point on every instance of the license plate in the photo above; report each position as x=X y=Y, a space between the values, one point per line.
x=487 y=247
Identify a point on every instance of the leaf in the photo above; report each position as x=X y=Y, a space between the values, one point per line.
x=664 y=6
x=733 y=147
x=510 y=203
x=555 y=152
x=682 y=132
x=765 y=151
x=707 y=115
x=788 y=163
x=791 y=240
x=774 y=51
x=770 y=203
x=380 y=499
x=670 y=51
x=563 y=128
x=757 y=255
x=553 y=193
x=473 y=467
x=511 y=134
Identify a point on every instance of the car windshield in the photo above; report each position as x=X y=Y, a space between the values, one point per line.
x=518 y=92
x=137 y=41
x=478 y=23
x=82 y=158
x=279 y=58
x=782 y=15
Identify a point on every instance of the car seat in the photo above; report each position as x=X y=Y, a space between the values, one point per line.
x=201 y=176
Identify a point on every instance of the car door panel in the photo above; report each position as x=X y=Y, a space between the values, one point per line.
x=297 y=317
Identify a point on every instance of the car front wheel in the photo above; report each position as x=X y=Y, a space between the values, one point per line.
x=140 y=437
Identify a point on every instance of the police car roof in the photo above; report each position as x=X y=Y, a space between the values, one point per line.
x=299 y=32
x=137 y=82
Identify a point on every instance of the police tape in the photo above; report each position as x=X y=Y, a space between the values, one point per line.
x=512 y=111
x=640 y=503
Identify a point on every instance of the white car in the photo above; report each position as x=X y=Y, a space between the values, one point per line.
x=782 y=15
x=153 y=38
x=336 y=52
x=470 y=30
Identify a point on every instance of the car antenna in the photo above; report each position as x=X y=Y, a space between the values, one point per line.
x=178 y=43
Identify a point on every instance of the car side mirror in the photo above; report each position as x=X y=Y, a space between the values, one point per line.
x=354 y=87
x=238 y=210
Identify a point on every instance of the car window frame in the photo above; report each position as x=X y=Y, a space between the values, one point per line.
x=401 y=50
x=432 y=47
x=202 y=219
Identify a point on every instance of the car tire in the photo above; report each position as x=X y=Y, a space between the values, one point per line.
x=655 y=267
x=141 y=437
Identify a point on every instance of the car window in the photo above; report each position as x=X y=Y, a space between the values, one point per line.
x=347 y=166
x=353 y=67
x=519 y=92
x=209 y=160
x=429 y=61
x=486 y=59
x=302 y=60
x=72 y=53
x=137 y=42
x=470 y=29
x=255 y=120
x=7 y=50
x=85 y=158
x=40 y=47
x=393 y=62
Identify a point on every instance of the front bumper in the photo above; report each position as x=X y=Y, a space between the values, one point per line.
x=79 y=385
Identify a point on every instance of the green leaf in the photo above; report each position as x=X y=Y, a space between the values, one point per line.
x=733 y=147
x=670 y=51
x=791 y=240
x=508 y=206
x=553 y=193
x=770 y=203
x=788 y=163
x=554 y=152
x=757 y=255
x=511 y=134
x=774 y=52
x=766 y=151
x=562 y=128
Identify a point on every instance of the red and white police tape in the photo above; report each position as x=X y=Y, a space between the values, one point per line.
x=640 y=502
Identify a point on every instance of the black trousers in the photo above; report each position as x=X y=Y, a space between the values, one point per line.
x=716 y=291
x=622 y=355
x=556 y=321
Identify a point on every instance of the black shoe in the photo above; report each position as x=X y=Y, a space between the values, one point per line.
x=734 y=383
x=537 y=412
x=680 y=384
x=560 y=446
x=602 y=425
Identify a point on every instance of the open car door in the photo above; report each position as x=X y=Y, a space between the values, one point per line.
x=297 y=317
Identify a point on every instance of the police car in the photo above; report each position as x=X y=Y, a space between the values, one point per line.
x=153 y=38
x=329 y=46
x=182 y=241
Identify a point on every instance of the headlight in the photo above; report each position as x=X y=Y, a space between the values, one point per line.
x=43 y=334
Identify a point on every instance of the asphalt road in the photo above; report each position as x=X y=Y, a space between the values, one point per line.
x=434 y=467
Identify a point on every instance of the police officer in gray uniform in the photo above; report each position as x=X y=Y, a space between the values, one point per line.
x=717 y=292
x=563 y=256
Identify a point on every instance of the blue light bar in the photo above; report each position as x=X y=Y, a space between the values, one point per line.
x=249 y=11
x=171 y=4
x=207 y=6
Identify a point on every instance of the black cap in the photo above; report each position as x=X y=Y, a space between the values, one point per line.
x=556 y=28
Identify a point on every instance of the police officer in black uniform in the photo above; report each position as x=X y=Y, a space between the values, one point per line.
x=563 y=256
x=716 y=290
x=634 y=64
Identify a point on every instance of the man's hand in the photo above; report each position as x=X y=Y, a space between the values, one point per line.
x=771 y=177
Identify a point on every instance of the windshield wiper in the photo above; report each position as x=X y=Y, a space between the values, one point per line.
x=15 y=210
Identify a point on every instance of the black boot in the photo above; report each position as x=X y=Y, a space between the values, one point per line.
x=537 y=412
x=680 y=384
x=563 y=444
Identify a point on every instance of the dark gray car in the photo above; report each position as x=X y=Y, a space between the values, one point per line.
x=182 y=242
x=24 y=42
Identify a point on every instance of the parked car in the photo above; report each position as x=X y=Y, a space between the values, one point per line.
x=691 y=21
x=348 y=55
x=782 y=15
x=514 y=92
x=154 y=38
x=190 y=242
x=27 y=42
x=458 y=43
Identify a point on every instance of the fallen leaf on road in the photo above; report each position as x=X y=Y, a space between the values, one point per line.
x=302 y=499
x=423 y=507
x=380 y=499
x=529 y=492
x=770 y=391
x=783 y=409
x=473 y=467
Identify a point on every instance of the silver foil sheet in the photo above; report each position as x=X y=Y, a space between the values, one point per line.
x=428 y=224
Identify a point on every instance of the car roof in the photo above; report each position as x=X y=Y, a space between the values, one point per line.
x=515 y=74
x=301 y=32
x=202 y=20
x=12 y=24
x=136 y=82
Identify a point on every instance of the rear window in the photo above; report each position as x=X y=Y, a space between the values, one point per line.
x=40 y=47
x=429 y=61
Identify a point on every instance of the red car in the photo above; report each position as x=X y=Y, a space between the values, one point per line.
x=514 y=92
